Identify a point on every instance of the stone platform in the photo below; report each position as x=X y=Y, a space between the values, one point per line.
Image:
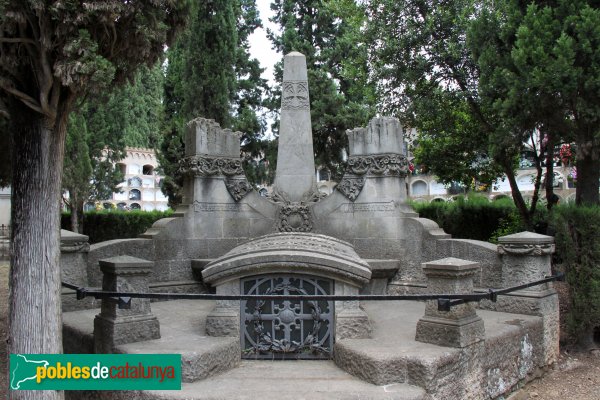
x=390 y=365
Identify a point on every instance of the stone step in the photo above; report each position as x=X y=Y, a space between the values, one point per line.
x=280 y=380
x=293 y=380
x=182 y=329
x=392 y=355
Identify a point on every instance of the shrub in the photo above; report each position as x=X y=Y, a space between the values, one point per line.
x=474 y=217
x=108 y=225
x=578 y=249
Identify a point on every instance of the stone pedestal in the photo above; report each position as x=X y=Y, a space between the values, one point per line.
x=527 y=257
x=115 y=326
x=461 y=326
x=74 y=248
x=351 y=321
x=224 y=319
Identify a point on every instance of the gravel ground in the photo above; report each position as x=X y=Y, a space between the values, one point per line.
x=576 y=375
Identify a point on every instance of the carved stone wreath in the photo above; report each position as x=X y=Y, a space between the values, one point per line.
x=294 y=217
x=209 y=166
x=237 y=188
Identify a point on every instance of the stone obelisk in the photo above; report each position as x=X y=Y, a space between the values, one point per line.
x=295 y=175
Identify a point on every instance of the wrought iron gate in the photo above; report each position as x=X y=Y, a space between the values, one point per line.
x=273 y=329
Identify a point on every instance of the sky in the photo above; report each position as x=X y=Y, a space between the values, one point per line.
x=260 y=45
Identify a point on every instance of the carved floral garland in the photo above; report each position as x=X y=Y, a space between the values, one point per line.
x=379 y=165
x=209 y=166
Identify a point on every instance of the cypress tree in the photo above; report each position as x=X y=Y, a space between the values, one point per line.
x=210 y=74
x=341 y=97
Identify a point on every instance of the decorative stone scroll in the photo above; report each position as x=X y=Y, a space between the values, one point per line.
x=378 y=164
x=526 y=249
x=238 y=188
x=294 y=95
x=75 y=247
x=210 y=166
x=358 y=167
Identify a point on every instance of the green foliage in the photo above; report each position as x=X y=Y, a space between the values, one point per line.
x=538 y=65
x=330 y=35
x=138 y=107
x=77 y=170
x=474 y=217
x=430 y=80
x=508 y=225
x=578 y=245
x=109 y=225
x=449 y=142
x=210 y=74
x=557 y=53
x=478 y=79
x=89 y=48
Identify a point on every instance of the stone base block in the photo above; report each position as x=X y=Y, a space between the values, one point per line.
x=223 y=322
x=109 y=332
x=406 y=287
x=70 y=302
x=352 y=324
x=460 y=333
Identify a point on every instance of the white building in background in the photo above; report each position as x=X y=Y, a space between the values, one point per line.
x=4 y=207
x=140 y=190
x=424 y=187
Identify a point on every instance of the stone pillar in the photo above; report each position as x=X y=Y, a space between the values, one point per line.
x=376 y=167
x=351 y=322
x=295 y=175
x=224 y=319
x=73 y=257
x=74 y=249
x=526 y=257
x=461 y=326
x=212 y=167
x=114 y=326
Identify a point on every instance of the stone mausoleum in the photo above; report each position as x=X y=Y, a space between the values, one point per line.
x=361 y=239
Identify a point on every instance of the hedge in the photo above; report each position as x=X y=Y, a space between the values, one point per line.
x=578 y=253
x=108 y=224
x=474 y=217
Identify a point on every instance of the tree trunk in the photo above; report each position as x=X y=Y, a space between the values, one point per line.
x=517 y=196
x=79 y=207
x=588 y=172
x=551 y=199
x=35 y=321
x=74 y=210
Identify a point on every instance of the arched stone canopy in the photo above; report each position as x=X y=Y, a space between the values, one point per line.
x=297 y=253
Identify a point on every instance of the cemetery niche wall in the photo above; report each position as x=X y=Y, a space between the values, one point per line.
x=363 y=238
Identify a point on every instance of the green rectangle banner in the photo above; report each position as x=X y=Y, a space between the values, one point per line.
x=95 y=371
